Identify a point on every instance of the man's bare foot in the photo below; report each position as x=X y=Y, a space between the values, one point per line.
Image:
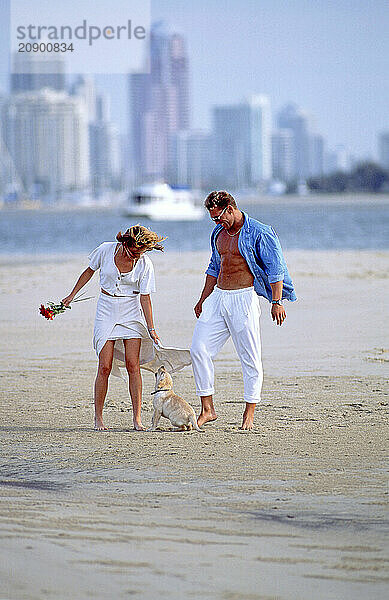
x=248 y=417
x=99 y=425
x=206 y=416
x=138 y=426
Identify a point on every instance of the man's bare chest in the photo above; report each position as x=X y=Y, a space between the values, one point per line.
x=228 y=246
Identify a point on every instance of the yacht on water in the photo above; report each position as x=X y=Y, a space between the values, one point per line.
x=163 y=202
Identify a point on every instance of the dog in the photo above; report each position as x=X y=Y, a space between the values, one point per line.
x=167 y=404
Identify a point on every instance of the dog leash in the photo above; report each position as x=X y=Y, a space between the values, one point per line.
x=156 y=391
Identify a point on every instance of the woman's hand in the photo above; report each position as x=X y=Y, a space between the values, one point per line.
x=66 y=301
x=154 y=336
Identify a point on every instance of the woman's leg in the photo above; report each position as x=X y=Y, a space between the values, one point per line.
x=101 y=382
x=132 y=348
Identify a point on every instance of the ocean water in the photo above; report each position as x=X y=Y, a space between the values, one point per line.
x=309 y=224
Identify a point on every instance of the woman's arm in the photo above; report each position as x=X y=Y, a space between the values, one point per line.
x=81 y=281
x=145 y=302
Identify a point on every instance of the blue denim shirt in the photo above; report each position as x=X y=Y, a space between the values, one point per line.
x=261 y=248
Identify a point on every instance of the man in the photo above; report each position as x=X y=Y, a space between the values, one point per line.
x=246 y=262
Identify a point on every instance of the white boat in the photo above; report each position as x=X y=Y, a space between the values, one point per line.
x=162 y=202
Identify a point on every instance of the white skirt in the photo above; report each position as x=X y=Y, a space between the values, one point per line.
x=121 y=317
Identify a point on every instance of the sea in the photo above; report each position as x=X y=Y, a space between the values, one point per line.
x=356 y=223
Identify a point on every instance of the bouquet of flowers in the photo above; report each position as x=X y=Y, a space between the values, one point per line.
x=52 y=310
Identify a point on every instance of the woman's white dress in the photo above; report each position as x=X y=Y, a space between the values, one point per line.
x=120 y=316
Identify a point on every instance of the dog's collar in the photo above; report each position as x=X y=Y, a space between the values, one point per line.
x=156 y=391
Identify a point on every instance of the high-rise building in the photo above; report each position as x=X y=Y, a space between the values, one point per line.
x=105 y=149
x=336 y=160
x=383 y=149
x=260 y=138
x=231 y=144
x=11 y=186
x=46 y=135
x=191 y=158
x=34 y=71
x=242 y=134
x=159 y=103
x=293 y=118
x=317 y=155
x=84 y=88
x=283 y=155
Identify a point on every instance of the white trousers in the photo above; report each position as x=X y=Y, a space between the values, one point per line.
x=228 y=313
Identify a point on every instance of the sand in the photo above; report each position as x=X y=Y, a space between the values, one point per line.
x=295 y=509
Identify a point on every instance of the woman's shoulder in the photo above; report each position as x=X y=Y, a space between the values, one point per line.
x=147 y=260
x=106 y=246
x=144 y=265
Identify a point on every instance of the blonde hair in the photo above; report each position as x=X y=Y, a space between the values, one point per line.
x=141 y=237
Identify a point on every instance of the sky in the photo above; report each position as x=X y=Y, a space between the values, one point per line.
x=329 y=57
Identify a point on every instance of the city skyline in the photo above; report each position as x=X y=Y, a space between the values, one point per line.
x=329 y=59
x=54 y=115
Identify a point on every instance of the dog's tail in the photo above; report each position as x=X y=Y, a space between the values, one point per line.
x=193 y=421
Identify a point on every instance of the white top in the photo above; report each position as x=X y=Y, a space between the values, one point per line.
x=138 y=281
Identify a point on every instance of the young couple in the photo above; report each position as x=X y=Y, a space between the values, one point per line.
x=246 y=262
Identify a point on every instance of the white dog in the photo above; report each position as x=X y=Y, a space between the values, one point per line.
x=167 y=404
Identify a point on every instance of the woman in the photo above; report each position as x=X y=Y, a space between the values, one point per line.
x=124 y=313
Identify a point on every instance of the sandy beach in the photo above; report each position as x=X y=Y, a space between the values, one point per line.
x=294 y=510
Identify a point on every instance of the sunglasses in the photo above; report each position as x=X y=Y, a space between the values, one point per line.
x=216 y=219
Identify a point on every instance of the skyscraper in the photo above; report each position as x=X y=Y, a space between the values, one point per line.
x=34 y=71
x=293 y=118
x=383 y=149
x=242 y=134
x=316 y=155
x=159 y=103
x=84 y=88
x=283 y=154
x=105 y=151
x=46 y=136
x=260 y=138
x=191 y=158
x=337 y=160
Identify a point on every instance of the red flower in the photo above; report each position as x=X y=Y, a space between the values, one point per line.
x=46 y=312
x=52 y=310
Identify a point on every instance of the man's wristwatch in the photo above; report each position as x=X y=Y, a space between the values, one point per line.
x=279 y=302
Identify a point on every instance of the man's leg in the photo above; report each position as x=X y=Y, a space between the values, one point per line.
x=208 y=339
x=248 y=416
x=208 y=412
x=247 y=342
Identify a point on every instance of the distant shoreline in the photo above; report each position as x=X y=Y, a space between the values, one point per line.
x=242 y=200
x=317 y=199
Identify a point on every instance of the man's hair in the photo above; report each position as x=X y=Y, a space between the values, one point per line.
x=219 y=199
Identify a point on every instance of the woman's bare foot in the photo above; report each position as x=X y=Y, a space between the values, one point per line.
x=248 y=417
x=138 y=426
x=206 y=416
x=99 y=425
